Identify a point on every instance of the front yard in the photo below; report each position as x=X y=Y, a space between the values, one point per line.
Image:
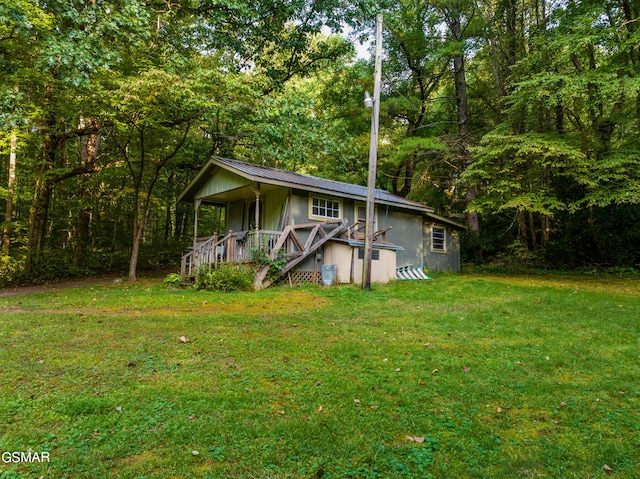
x=465 y=376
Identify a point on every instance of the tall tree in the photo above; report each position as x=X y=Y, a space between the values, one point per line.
x=569 y=142
x=151 y=125
x=458 y=15
x=57 y=78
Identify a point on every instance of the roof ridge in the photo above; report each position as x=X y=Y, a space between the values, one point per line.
x=271 y=168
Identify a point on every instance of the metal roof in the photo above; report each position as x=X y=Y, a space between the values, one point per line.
x=265 y=174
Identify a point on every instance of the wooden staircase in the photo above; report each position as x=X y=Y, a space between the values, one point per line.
x=297 y=252
x=241 y=246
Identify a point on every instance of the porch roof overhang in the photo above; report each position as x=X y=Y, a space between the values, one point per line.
x=444 y=220
x=360 y=244
x=260 y=178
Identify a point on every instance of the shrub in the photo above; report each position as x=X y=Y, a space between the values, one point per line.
x=225 y=277
x=172 y=279
x=9 y=269
x=262 y=256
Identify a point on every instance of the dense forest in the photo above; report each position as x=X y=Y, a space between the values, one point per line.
x=519 y=117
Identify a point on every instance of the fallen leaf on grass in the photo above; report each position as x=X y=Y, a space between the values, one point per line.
x=281 y=412
x=607 y=468
x=184 y=339
x=320 y=409
x=466 y=369
x=419 y=440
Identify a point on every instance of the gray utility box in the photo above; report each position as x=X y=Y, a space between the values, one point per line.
x=329 y=274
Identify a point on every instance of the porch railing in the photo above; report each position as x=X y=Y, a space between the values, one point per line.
x=234 y=247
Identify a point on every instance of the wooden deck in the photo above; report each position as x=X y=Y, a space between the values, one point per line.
x=235 y=247
x=244 y=245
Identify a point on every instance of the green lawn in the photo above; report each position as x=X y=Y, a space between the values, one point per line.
x=471 y=376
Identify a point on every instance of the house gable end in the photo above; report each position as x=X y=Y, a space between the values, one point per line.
x=221 y=181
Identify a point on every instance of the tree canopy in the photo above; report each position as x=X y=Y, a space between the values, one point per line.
x=520 y=117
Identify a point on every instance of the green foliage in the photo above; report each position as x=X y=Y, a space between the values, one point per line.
x=552 y=95
x=519 y=172
x=263 y=256
x=226 y=277
x=9 y=269
x=172 y=279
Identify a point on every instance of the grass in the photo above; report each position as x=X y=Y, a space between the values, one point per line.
x=472 y=376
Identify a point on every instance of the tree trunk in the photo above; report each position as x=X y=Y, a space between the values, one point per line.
x=532 y=229
x=38 y=221
x=135 y=252
x=522 y=229
x=138 y=230
x=460 y=81
x=44 y=185
x=409 y=166
x=602 y=253
x=41 y=201
x=141 y=212
x=6 y=234
x=88 y=155
x=546 y=231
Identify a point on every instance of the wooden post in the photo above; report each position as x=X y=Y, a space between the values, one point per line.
x=196 y=205
x=215 y=248
x=257 y=220
x=373 y=157
x=183 y=269
x=229 y=246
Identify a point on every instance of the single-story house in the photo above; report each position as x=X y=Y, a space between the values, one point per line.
x=313 y=223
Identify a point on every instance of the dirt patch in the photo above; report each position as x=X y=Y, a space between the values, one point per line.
x=75 y=283
x=57 y=286
x=251 y=306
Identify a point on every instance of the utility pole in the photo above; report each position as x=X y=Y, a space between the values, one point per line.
x=373 y=158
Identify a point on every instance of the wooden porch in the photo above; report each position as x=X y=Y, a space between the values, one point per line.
x=243 y=246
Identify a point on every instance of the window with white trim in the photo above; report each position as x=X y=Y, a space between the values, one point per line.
x=325 y=208
x=361 y=219
x=438 y=239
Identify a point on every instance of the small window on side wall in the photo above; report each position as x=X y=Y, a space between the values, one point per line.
x=438 y=239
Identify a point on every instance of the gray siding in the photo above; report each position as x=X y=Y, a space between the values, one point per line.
x=442 y=261
x=274 y=209
x=235 y=215
x=406 y=232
